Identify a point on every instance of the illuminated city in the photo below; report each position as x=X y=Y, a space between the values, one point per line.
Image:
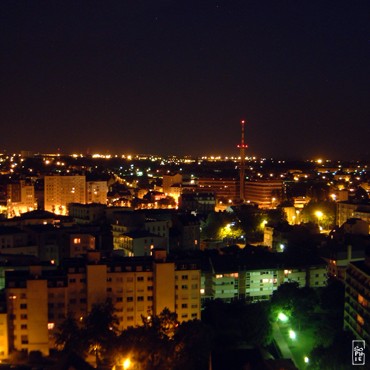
x=184 y=185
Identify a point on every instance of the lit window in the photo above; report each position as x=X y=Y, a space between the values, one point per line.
x=362 y=301
x=76 y=241
x=360 y=320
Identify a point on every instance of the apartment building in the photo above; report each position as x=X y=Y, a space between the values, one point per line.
x=349 y=209
x=231 y=279
x=223 y=188
x=199 y=202
x=38 y=300
x=20 y=198
x=87 y=213
x=60 y=191
x=4 y=341
x=172 y=185
x=137 y=243
x=266 y=193
x=96 y=192
x=357 y=300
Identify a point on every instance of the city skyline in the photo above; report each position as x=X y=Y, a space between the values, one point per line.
x=170 y=78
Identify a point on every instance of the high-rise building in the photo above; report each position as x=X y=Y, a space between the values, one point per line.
x=357 y=300
x=63 y=190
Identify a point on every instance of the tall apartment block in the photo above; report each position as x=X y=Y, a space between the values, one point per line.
x=357 y=300
x=38 y=300
x=63 y=190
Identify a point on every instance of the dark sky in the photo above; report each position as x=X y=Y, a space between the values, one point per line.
x=176 y=77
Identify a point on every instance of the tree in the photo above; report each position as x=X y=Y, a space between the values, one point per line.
x=298 y=303
x=164 y=324
x=236 y=322
x=69 y=336
x=212 y=225
x=100 y=328
x=327 y=209
x=335 y=357
x=151 y=345
x=193 y=343
x=145 y=347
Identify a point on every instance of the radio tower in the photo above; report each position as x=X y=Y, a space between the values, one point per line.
x=242 y=146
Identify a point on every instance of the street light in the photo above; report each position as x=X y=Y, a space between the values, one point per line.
x=126 y=364
x=282 y=317
x=319 y=215
x=292 y=334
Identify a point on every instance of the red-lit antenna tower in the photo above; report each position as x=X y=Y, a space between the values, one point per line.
x=242 y=146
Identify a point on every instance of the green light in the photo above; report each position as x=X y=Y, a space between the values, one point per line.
x=292 y=334
x=282 y=317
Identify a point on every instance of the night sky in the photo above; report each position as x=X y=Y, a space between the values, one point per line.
x=176 y=77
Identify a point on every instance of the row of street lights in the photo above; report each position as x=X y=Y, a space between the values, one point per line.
x=292 y=334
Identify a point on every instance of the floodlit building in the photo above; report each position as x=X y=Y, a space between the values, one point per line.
x=172 y=185
x=4 y=340
x=38 y=300
x=60 y=191
x=20 y=198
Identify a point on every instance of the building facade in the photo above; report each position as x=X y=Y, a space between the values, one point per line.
x=38 y=300
x=96 y=192
x=257 y=284
x=266 y=193
x=20 y=198
x=60 y=191
x=357 y=300
x=347 y=210
x=224 y=188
